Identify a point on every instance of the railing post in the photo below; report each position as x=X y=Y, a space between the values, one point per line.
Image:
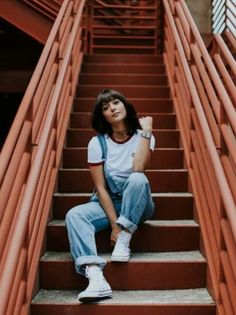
x=90 y=12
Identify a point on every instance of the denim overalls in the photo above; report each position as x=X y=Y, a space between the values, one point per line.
x=133 y=203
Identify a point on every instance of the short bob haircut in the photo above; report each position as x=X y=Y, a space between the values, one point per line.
x=101 y=125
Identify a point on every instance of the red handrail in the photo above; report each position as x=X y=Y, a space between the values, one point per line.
x=207 y=120
x=31 y=155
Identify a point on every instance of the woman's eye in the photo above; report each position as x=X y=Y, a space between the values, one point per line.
x=105 y=108
x=116 y=102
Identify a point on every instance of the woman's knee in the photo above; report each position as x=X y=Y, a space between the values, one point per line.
x=73 y=215
x=138 y=179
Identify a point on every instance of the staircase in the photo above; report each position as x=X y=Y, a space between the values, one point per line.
x=33 y=17
x=167 y=272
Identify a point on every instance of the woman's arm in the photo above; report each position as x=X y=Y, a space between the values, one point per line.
x=104 y=198
x=143 y=154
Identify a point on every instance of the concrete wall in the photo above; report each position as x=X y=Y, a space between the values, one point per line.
x=201 y=12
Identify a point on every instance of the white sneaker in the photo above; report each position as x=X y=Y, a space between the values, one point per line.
x=98 y=287
x=121 y=252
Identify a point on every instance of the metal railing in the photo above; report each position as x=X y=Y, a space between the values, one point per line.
x=124 y=27
x=48 y=8
x=224 y=16
x=202 y=86
x=207 y=121
x=30 y=158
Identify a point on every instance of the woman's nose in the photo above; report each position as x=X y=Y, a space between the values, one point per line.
x=112 y=107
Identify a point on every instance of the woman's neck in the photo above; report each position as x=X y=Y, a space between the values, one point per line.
x=120 y=133
x=119 y=130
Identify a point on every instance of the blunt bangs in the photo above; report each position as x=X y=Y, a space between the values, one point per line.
x=107 y=96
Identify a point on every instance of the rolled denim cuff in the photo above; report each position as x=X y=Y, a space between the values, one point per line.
x=82 y=261
x=127 y=224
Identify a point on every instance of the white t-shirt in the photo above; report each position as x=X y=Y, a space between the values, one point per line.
x=119 y=155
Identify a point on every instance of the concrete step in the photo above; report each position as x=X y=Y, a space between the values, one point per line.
x=168 y=206
x=117 y=78
x=160 y=271
x=182 y=235
x=161 y=158
x=148 y=302
x=165 y=138
x=160 y=121
x=151 y=105
x=122 y=58
x=147 y=91
x=79 y=180
x=123 y=68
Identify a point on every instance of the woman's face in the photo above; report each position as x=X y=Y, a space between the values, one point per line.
x=114 y=111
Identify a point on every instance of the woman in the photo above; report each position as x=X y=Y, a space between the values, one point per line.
x=122 y=200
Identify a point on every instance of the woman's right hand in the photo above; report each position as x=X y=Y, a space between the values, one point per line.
x=114 y=233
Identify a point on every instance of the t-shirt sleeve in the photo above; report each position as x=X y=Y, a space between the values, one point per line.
x=94 y=152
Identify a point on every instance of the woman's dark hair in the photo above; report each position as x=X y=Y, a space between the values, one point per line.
x=100 y=124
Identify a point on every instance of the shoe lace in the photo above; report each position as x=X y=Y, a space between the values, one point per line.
x=94 y=276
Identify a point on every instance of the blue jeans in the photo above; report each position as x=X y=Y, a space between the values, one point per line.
x=133 y=206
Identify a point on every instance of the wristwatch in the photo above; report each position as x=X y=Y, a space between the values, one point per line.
x=146 y=134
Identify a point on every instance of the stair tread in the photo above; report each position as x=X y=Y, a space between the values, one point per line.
x=148 y=222
x=187 y=296
x=181 y=256
x=128 y=74
x=167 y=194
x=125 y=85
x=130 y=98
x=181 y=170
x=90 y=129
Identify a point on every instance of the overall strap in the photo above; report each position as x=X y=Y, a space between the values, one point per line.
x=103 y=144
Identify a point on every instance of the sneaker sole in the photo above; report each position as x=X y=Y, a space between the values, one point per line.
x=120 y=259
x=95 y=296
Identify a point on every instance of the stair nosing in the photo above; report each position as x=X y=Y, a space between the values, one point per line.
x=154 y=223
x=136 y=257
x=198 y=296
x=168 y=194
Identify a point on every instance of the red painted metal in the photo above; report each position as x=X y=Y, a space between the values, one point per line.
x=24 y=17
x=31 y=155
x=204 y=98
x=203 y=90
x=124 y=27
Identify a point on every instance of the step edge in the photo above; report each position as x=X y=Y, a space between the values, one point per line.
x=137 y=257
x=199 y=296
x=153 y=223
x=162 y=195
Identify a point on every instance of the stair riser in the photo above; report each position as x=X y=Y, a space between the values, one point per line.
x=161 y=159
x=159 y=309
x=114 y=41
x=116 y=58
x=167 y=238
x=81 y=138
x=138 y=276
x=167 y=208
x=158 y=105
x=123 y=68
x=127 y=91
x=117 y=79
x=128 y=50
x=160 y=121
x=75 y=181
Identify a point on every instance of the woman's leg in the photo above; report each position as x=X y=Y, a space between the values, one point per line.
x=137 y=204
x=82 y=223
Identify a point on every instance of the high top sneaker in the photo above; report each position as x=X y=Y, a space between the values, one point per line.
x=121 y=252
x=98 y=287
